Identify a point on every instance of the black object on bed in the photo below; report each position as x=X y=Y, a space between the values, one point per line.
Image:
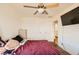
x=8 y=52
x=18 y=38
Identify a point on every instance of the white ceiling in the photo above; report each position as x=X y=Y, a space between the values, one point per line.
x=51 y=12
x=22 y=11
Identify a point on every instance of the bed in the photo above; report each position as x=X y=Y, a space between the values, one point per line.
x=37 y=47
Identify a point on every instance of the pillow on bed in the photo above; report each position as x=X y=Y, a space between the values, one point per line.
x=18 y=38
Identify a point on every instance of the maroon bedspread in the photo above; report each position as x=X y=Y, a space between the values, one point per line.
x=37 y=47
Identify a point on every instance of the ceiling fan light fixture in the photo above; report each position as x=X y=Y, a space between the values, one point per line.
x=40 y=10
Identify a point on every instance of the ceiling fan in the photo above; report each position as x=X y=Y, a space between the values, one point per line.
x=41 y=8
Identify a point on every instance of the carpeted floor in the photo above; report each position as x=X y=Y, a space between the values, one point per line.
x=62 y=52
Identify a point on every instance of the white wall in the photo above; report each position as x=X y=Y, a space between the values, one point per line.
x=68 y=35
x=9 y=23
x=38 y=27
x=71 y=38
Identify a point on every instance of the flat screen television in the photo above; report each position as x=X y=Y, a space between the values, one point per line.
x=71 y=17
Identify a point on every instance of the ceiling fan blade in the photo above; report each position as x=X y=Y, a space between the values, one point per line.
x=30 y=6
x=52 y=5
